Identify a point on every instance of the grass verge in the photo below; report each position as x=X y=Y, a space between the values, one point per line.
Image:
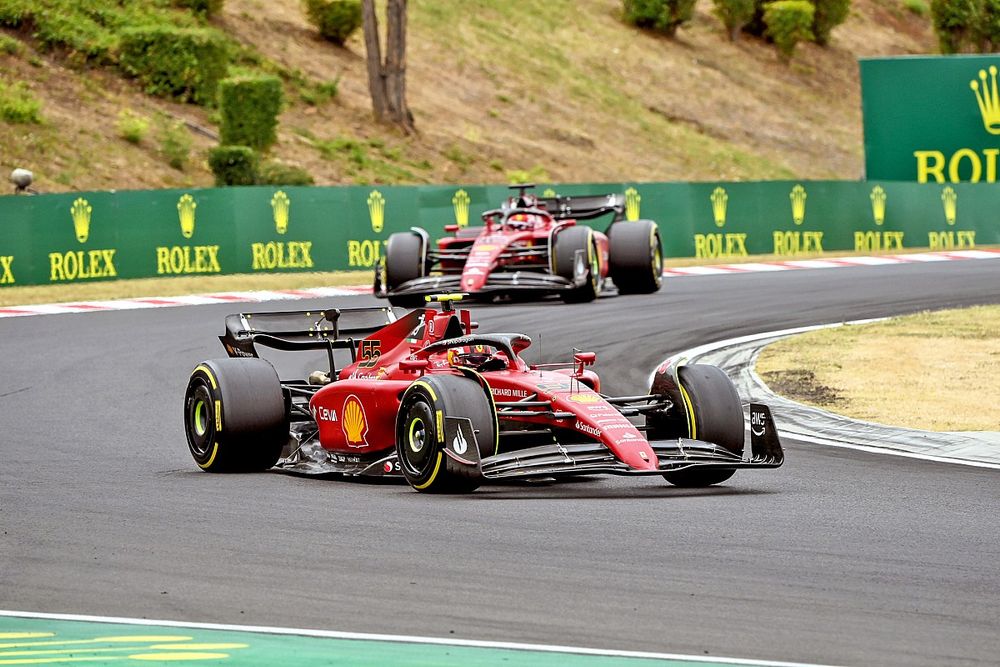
x=936 y=371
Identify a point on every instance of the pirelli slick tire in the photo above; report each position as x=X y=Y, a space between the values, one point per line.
x=404 y=261
x=427 y=461
x=564 y=253
x=635 y=257
x=234 y=415
x=714 y=414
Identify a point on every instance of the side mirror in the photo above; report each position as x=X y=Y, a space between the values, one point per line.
x=582 y=359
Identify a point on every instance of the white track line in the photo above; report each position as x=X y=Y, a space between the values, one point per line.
x=406 y=639
x=319 y=292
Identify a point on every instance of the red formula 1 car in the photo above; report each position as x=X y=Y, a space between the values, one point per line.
x=529 y=245
x=427 y=397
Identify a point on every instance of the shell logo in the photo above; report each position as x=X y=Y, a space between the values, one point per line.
x=354 y=422
x=585 y=398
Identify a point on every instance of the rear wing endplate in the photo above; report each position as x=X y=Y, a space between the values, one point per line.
x=327 y=329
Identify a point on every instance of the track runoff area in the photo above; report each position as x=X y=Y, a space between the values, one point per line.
x=52 y=639
x=312 y=293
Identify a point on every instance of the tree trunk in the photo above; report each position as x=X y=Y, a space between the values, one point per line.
x=387 y=80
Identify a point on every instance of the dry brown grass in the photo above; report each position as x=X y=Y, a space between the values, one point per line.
x=937 y=371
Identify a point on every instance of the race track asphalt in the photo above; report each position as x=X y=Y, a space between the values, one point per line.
x=839 y=557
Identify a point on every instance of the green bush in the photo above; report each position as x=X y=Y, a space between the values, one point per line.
x=18 y=104
x=734 y=14
x=175 y=142
x=183 y=63
x=918 y=7
x=10 y=46
x=988 y=28
x=335 y=19
x=828 y=15
x=233 y=165
x=955 y=23
x=662 y=15
x=277 y=173
x=248 y=110
x=201 y=7
x=131 y=126
x=788 y=23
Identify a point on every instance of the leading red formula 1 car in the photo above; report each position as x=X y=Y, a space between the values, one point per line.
x=427 y=397
x=529 y=245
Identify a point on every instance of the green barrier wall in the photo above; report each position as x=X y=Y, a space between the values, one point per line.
x=74 y=237
x=931 y=119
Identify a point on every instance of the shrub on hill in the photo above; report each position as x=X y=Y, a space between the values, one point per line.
x=202 y=7
x=967 y=25
x=828 y=15
x=278 y=173
x=734 y=14
x=249 y=108
x=183 y=63
x=335 y=19
x=662 y=15
x=18 y=104
x=788 y=23
x=234 y=165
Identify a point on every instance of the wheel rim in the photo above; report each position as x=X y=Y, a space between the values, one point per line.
x=418 y=435
x=199 y=420
x=657 y=262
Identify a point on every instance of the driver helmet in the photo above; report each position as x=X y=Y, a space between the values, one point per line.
x=472 y=356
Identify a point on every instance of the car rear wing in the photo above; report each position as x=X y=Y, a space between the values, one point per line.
x=584 y=208
x=327 y=329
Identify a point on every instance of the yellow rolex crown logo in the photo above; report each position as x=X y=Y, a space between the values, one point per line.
x=185 y=212
x=632 y=201
x=280 y=203
x=950 y=200
x=798 y=196
x=988 y=99
x=81 y=210
x=460 y=202
x=719 y=200
x=376 y=211
x=878 y=204
x=549 y=193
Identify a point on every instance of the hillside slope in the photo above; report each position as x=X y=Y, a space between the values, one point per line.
x=560 y=89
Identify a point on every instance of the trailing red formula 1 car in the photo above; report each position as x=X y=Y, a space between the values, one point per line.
x=427 y=397
x=528 y=245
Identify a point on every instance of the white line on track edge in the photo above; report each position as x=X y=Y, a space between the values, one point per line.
x=683 y=356
x=404 y=639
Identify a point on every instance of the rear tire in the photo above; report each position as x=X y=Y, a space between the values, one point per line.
x=404 y=261
x=234 y=415
x=635 y=257
x=567 y=243
x=420 y=445
x=714 y=414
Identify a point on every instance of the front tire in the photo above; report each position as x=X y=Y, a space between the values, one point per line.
x=404 y=261
x=567 y=243
x=234 y=415
x=420 y=439
x=635 y=257
x=714 y=414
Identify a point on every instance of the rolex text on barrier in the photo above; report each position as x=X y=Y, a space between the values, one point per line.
x=89 y=236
